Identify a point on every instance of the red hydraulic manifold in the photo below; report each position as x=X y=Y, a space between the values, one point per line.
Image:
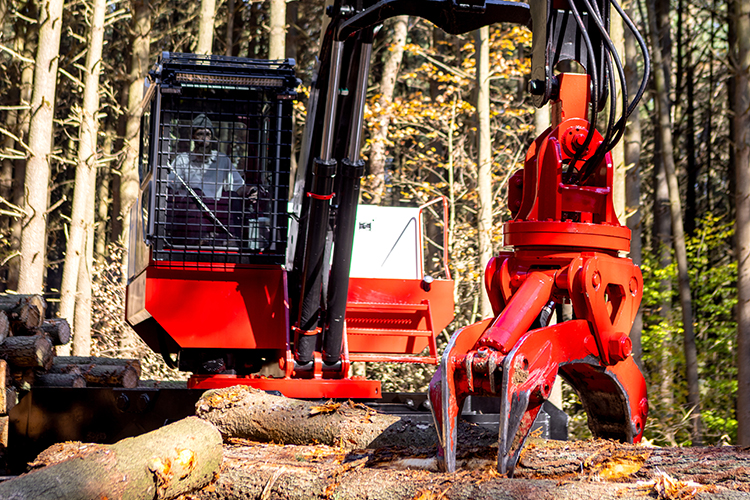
x=567 y=245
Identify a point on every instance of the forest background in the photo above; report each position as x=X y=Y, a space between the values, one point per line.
x=446 y=116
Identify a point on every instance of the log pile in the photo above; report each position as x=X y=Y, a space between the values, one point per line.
x=27 y=357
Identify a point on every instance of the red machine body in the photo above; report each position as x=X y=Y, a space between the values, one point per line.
x=566 y=243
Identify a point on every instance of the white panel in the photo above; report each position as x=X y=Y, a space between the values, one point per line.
x=387 y=243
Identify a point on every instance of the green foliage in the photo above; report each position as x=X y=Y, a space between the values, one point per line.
x=713 y=275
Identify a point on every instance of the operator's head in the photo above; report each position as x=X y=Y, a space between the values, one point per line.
x=203 y=131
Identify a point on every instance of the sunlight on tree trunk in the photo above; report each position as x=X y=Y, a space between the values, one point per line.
x=484 y=160
x=742 y=224
x=139 y=66
x=277 y=35
x=618 y=152
x=393 y=55
x=33 y=238
x=86 y=165
x=206 y=27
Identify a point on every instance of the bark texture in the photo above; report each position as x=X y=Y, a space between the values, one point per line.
x=206 y=27
x=84 y=188
x=277 y=35
x=393 y=55
x=26 y=312
x=742 y=210
x=34 y=236
x=598 y=470
x=678 y=233
x=58 y=330
x=162 y=464
x=244 y=412
x=34 y=351
x=484 y=159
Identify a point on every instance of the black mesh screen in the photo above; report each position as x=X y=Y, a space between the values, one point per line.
x=222 y=158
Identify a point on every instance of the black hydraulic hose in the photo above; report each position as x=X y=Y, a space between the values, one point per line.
x=338 y=284
x=312 y=274
x=593 y=72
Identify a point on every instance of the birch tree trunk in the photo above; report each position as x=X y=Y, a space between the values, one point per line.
x=393 y=55
x=742 y=209
x=82 y=320
x=206 y=27
x=33 y=238
x=678 y=234
x=86 y=165
x=277 y=36
x=139 y=65
x=484 y=159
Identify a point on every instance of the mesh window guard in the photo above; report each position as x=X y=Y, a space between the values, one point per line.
x=221 y=172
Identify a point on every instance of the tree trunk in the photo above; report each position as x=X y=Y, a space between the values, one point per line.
x=34 y=236
x=82 y=326
x=277 y=35
x=244 y=412
x=632 y=142
x=742 y=210
x=139 y=66
x=484 y=160
x=599 y=470
x=206 y=22
x=393 y=55
x=60 y=380
x=24 y=46
x=162 y=464
x=618 y=153
x=678 y=235
x=87 y=157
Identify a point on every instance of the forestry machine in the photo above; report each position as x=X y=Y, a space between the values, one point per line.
x=227 y=279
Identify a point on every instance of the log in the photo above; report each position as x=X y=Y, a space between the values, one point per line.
x=59 y=380
x=93 y=360
x=267 y=471
x=110 y=376
x=244 y=412
x=23 y=380
x=163 y=464
x=26 y=312
x=58 y=330
x=34 y=351
x=4 y=325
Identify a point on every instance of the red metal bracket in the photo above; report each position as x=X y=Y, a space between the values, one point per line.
x=566 y=248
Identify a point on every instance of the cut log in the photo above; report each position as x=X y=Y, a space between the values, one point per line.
x=162 y=464
x=23 y=379
x=4 y=325
x=58 y=330
x=244 y=412
x=59 y=380
x=252 y=470
x=26 y=312
x=34 y=351
x=85 y=361
x=110 y=376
